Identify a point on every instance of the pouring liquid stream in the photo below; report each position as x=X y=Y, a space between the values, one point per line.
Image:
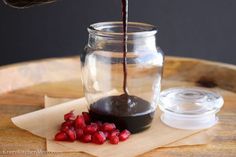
x=125 y=38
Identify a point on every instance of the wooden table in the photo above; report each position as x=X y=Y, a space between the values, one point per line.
x=23 y=86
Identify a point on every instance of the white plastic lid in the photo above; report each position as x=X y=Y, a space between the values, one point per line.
x=190 y=108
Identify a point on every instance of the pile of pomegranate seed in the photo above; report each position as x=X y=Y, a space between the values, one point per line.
x=83 y=129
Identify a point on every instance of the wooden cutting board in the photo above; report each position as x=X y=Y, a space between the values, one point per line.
x=23 y=86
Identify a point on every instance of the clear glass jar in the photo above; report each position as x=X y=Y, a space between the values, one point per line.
x=103 y=74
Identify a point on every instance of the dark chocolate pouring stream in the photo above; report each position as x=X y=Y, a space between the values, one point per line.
x=125 y=23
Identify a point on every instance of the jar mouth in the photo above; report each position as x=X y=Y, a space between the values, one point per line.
x=115 y=28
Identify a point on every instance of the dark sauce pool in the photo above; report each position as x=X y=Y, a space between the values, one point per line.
x=126 y=111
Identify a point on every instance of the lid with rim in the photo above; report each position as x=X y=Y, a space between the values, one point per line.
x=190 y=108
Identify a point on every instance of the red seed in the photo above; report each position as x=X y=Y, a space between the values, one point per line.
x=71 y=134
x=86 y=138
x=98 y=137
x=64 y=128
x=114 y=140
x=115 y=132
x=124 y=135
x=106 y=134
x=61 y=136
x=69 y=116
x=99 y=124
x=79 y=122
x=69 y=123
x=86 y=117
x=79 y=133
x=90 y=129
x=81 y=128
x=94 y=124
x=108 y=127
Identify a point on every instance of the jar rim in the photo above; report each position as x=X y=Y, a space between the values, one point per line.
x=114 y=29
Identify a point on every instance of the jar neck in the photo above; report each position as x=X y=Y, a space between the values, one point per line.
x=115 y=44
x=108 y=36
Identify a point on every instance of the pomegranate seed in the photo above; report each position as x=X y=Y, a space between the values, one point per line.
x=106 y=134
x=71 y=134
x=99 y=124
x=81 y=128
x=69 y=116
x=69 y=123
x=114 y=133
x=124 y=135
x=94 y=124
x=86 y=138
x=114 y=140
x=79 y=122
x=90 y=129
x=98 y=137
x=79 y=133
x=86 y=117
x=61 y=136
x=64 y=128
x=108 y=127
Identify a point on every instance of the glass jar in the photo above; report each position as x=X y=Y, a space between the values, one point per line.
x=103 y=74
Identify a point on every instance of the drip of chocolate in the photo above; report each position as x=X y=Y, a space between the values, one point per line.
x=125 y=23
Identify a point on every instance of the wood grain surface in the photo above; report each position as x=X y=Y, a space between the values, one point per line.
x=23 y=86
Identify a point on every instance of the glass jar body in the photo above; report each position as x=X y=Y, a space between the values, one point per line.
x=103 y=74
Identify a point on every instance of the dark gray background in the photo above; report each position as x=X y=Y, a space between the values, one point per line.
x=192 y=28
